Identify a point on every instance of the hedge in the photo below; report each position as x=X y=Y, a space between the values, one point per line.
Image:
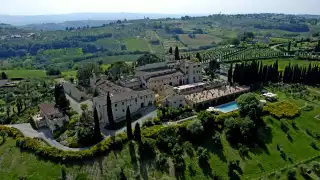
x=283 y=109
x=34 y=145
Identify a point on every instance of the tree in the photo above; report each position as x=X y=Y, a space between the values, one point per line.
x=176 y=53
x=109 y=110
x=230 y=74
x=249 y=105
x=4 y=75
x=289 y=46
x=170 y=50
x=86 y=71
x=129 y=128
x=235 y=41
x=122 y=175
x=63 y=103
x=148 y=58
x=214 y=65
x=97 y=132
x=198 y=56
x=137 y=132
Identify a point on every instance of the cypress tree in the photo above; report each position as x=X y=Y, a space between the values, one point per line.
x=97 y=132
x=176 y=53
x=289 y=46
x=170 y=50
x=230 y=74
x=109 y=110
x=137 y=132
x=129 y=128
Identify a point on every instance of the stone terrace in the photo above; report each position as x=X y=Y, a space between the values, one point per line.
x=213 y=94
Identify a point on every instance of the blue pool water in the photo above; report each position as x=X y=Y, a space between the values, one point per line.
x=225 y=108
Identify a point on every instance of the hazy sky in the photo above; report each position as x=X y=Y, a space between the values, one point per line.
x=37 y=7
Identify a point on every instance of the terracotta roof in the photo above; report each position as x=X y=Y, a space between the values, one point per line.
x=50 y=110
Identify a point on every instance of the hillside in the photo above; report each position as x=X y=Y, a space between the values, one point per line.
x=100 y=39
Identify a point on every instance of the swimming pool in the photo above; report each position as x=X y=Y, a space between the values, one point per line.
x=225 y=108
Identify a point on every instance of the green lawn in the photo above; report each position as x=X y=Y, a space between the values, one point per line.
x=284 y=62
x=69 y=73
x=15 y=164
x=23 y=73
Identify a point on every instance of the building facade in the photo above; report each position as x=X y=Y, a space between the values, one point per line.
x=135 y=100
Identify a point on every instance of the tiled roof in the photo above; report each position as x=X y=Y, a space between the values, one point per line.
x=165 y=76
x=108 y=86
x=50 y=110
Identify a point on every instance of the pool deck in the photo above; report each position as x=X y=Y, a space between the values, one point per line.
x=213 y=94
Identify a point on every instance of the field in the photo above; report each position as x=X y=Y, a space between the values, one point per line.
x=198 y=40
x=69 y=73
x=23 y=73
x=137 y=44
x=15 y=164
x=284 y=62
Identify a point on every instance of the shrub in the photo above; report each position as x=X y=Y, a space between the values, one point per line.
x=307 y=108
x=292 y=174
x=277 y=175
x=162 y=162
x=195 y=129
x=305 y=170
x=314 y=145
x=243 y=150
x=187 y=146
x=148 y=148
x=217 y=140
x=283 y=109
x=203 y=155
x=315 y=166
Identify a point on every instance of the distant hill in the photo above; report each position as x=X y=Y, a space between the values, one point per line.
x=40 y=19
x=64 y=25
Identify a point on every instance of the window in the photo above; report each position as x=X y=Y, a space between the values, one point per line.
x=122 y=103
x=140 y=97
x=122 y=110
x=198 y=65
x=116 y=110
x=115 y=105
x=136 y=100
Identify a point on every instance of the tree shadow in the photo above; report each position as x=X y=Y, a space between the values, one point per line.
x=206 y=169
x=3 y=141
x=100 y=165
x=142 y=164
x=214 y=148
x=134 y=160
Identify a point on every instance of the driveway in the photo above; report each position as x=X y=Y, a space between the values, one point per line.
x=45 y=134
x=77 y=106
x=148 y=113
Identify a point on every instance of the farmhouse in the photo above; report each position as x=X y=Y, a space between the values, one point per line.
x=50 y=117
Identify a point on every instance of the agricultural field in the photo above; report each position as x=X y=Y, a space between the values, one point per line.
x=24 y=73
x=284 y=62
x=16 y=164
x=198 y=40
x=136 y=44
x=108 y=43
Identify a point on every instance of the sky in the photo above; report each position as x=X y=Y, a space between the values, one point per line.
x=44 y=7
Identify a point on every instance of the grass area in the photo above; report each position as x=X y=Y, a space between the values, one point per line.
x=24 y=73
x=15 y=164
x=198 y=40
x=279 y=40
x=284 y=62
x=69 y=73
x=105 y=66
x=137 y=44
